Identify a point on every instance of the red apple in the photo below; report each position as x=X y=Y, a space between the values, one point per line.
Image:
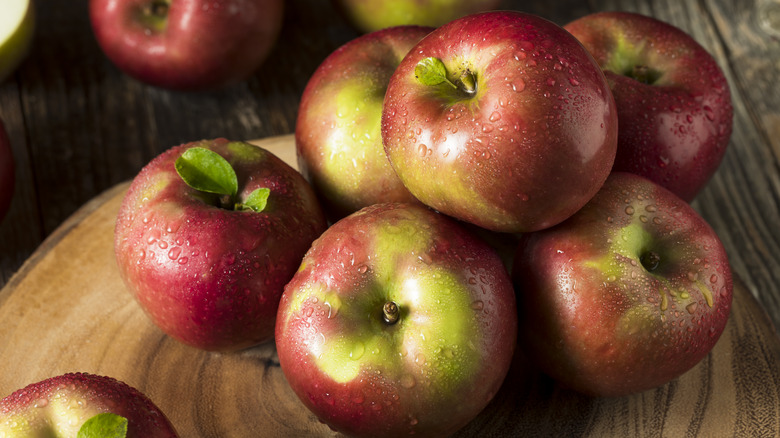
x=187 y=44
x=6 y=172
x=209 y=268
x=338 y=135
x=76 y=403
x=501 y=119
x=626 y=295
x=372 y=15
x=398 y=322
x=673 y=101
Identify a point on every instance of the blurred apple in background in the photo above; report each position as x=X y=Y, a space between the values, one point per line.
x=501 y=119
x=187 y=44
x=629 y=293
x=17 y=27
x=371 y=15
x=338 y=134
x=673 y=100
x=83 y=405
x=7 y=172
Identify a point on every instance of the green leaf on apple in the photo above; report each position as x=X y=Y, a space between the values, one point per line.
x=256 y=201
x=105 y=425
x=431 y=71
x=206 y=170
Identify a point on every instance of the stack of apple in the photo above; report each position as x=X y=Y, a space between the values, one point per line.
x=585 y=142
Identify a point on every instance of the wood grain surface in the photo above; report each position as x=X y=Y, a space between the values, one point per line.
x=67 y=310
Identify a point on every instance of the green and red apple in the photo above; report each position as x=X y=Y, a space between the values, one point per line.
x=373 y=15
x=338 y=135
x=84 y=406
x=626 y=295
x=187 y=44
x=17 y=28
x=207 y=236
x=500 y=119
x=673 y=100
x=399 y=321
x=7 y=172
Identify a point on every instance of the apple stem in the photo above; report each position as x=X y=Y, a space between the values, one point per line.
x=468 y=82
x=650 y=260
x=391 y=312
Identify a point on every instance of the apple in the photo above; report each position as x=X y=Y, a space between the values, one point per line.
x=673 y=101
x=187 y=44
x=83 y=405
x=207 y=236
x=373 y=15
x=17 y=28
x=7 y=172
x=399 y=321
x=626 y=295
x=337 y=135
x=500 y=119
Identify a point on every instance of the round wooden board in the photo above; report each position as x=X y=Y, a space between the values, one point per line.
x=67 y=310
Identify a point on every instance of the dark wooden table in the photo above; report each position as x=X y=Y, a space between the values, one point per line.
x=79 y=126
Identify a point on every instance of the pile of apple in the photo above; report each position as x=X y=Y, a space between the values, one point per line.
x=584 y=142
x=578 y=146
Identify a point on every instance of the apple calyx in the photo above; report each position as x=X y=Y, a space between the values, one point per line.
x=643 y=74
x=154 y=15
x=432 y=71
x=207 y=171
x=104 y=425
x=390 y=313
x=650 y=260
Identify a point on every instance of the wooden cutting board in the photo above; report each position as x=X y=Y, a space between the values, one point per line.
x=67 y=310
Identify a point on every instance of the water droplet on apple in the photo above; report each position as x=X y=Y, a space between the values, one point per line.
x=174 y=253
x=357 y=351
x=691 y=308
x=41 y=403
x=496 y=116
x=478 y=305
x=714 y=278
x=519 y=55
x=362 y=269
x=408 y=381
x=629 y=210
x=709 y=113
x=422 y=150
x=518 y=85
x=551 y=81
x=163 y=244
